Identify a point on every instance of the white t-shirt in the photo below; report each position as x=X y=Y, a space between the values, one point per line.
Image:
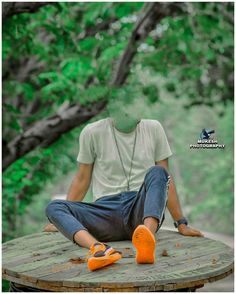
x=97 y=145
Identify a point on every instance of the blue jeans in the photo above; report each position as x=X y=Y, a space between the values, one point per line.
x=114 y=217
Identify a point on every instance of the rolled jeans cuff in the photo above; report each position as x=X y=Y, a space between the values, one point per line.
x=69 y=233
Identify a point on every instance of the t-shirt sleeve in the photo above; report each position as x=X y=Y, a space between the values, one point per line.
x=162 y=149
x=86 y=147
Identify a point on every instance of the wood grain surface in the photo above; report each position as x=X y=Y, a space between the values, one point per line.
x=50 y=261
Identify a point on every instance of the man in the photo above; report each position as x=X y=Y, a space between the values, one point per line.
x=126 y=160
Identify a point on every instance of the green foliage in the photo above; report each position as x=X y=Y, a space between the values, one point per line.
x=197 y=47
x=151 y=91
x=204 y=178
x=125 y=9
x=29 y=175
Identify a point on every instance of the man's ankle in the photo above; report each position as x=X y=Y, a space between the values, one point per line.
x=152 y=229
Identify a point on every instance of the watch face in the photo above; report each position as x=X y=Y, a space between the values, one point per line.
x=184 y=222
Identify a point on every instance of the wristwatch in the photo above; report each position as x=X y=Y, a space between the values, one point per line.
x=183 y=220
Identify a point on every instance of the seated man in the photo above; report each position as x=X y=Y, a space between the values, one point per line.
x=126 y=159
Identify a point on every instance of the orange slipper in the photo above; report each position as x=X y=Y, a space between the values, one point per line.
x=145 y=243
x=102 y=255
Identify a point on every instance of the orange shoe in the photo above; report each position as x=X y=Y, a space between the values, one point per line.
x=102 y=255
x=145 y=243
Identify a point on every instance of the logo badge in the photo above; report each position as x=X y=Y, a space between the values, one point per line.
x=207 y=140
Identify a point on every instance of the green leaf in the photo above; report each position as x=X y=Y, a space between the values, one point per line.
x=18 y=175
x=11 y=108
x=125 y=9
x=87 y=44
x=53 y=87
x=15 y=125
x=28 y=91
x=77 y=68
x=52 y=76
x=112 y=52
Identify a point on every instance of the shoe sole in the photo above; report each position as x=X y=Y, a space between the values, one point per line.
x=95 y=263
x=144 y=242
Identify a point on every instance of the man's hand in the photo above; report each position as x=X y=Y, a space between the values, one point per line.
x=187 y=231
x=50 y=228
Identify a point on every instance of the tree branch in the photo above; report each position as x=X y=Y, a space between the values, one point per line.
x=11 y=8
x=92 y=31
x=47 y=131
x=152 y=14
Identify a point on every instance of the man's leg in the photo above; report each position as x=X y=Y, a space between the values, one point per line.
x=65 y=215
x=86 y=223
x=151 y=223
x=84 y=239
x=149 y=205
x=83 y=222
x=147 y=213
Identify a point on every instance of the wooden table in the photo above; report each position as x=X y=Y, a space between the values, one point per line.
x=49 y=261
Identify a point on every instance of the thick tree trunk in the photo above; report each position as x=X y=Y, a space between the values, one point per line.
x=47 y=131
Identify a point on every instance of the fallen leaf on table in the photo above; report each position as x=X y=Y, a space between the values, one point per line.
x=77 y=260
x=178 y=245
x=213 y=261
x=164 y=253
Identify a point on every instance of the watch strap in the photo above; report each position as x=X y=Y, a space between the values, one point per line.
x=183 y=220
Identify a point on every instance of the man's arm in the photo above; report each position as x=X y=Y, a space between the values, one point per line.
x=80 y=183
x=173 y=204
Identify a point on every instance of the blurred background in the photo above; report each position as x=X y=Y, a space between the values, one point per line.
x=60 y=63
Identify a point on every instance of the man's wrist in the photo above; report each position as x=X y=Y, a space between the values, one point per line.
x=181 y=221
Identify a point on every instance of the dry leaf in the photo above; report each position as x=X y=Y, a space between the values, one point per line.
x=164 y=253
x=77 y=260
x=213 y=261
x=178 y=245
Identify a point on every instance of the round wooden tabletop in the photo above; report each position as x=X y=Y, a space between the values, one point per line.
x=49 y=261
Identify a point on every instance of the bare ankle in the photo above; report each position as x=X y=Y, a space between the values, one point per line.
x=84 y=239
x=152 y=224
